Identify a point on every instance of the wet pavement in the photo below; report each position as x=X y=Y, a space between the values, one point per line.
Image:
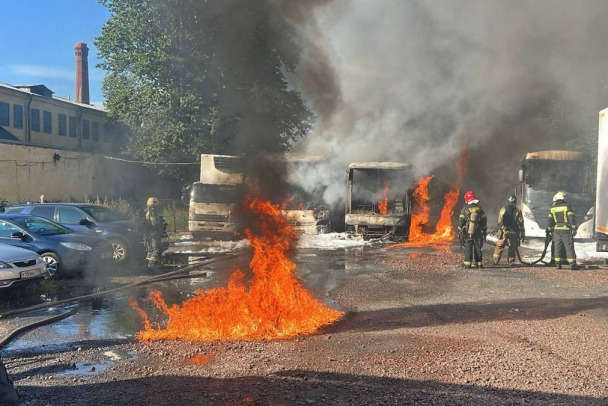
x=322 y=266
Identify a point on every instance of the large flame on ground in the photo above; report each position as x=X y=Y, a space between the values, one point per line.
x=383 y=205
x=275 y=305
x=444 y=230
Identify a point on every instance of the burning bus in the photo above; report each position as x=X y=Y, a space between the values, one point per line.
x=214 y=198
x=223 y=184
x=305 y=209
x=543 y=174
x=378 y=200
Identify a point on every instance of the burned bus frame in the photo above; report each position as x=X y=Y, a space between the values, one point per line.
x=362 y=217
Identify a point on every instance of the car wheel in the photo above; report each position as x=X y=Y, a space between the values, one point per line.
x=52 y=262
x=121 y=251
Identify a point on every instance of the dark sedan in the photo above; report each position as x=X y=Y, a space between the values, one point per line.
x=64 y=250
x=97 y=220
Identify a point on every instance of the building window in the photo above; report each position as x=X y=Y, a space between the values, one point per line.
x=72 y=126
x=18 y=116
x=4 y=114
x=62 y=122
x=47 y=122
x=86 y=128
x=107 y=135
x=35 y=120
x=95 y=130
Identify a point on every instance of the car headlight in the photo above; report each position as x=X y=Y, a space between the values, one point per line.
x=4 y=265
x=76 y=246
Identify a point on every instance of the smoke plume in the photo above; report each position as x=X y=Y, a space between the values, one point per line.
x=416 y=81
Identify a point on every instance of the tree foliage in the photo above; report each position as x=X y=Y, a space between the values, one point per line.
x=191 y=77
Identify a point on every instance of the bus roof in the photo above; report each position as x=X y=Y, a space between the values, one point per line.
x=378 y=165
x=555 y=155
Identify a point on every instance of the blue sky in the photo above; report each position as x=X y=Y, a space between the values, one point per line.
x=39 y=38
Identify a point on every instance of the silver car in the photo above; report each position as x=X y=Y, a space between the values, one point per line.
x=18 y=265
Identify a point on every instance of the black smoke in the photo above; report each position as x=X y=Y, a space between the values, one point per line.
x=417 y=81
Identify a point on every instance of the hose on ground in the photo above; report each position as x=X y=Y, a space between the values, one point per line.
x=547 y=243
x=19 y=330
x=157 y=278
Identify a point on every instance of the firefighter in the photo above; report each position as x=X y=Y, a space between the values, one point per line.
x=154 y=228
x=511 y=231
x=561 y=226
x=472 y=227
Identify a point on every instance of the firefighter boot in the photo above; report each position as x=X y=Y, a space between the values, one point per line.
x=558 y=265
x=574 y=267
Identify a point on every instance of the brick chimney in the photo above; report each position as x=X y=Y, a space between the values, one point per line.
x=82 y=73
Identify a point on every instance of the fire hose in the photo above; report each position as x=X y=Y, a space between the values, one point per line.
x=548 y=239
x=159 y=278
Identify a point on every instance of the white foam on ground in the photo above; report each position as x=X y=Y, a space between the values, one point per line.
x=584 y=250
x=330 y=241
x=214 y=247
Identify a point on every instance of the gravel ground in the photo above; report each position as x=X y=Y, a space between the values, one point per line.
x=418 y=330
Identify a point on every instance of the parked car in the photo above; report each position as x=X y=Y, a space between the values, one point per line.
x=63 y=250
x=18 y=266
x=92 y=219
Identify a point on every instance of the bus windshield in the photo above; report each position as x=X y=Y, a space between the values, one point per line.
x=222 y=194
x=569 y=176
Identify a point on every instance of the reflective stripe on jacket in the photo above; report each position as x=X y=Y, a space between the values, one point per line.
x=561 y=216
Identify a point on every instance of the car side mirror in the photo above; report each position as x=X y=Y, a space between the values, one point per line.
x=85 y=222
x=18 y=235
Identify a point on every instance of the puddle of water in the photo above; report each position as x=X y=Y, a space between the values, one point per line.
x=84 y=369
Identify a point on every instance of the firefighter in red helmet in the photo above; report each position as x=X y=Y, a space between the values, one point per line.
x=473 y=228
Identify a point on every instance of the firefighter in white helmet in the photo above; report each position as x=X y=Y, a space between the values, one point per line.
x=154 y=228
x=561 y=225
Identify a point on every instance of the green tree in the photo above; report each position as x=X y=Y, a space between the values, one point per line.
x=191 y=77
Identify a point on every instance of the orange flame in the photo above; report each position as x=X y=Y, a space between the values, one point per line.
x=383 y=205
x=275 y=305
x=289 y=204
x=444 y=230
x=200 y=359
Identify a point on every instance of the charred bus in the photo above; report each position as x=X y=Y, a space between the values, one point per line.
x=214 y=198
x=305 y=209
x=303 y=205
x=543 y=174
x=378 y=200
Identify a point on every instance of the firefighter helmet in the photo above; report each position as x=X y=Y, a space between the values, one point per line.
x=559 y=196
x=512 y=200
x=469 y=196
x=152 y=201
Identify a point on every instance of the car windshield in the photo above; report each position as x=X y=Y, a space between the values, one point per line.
x=103 y=214
x=41 y=226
